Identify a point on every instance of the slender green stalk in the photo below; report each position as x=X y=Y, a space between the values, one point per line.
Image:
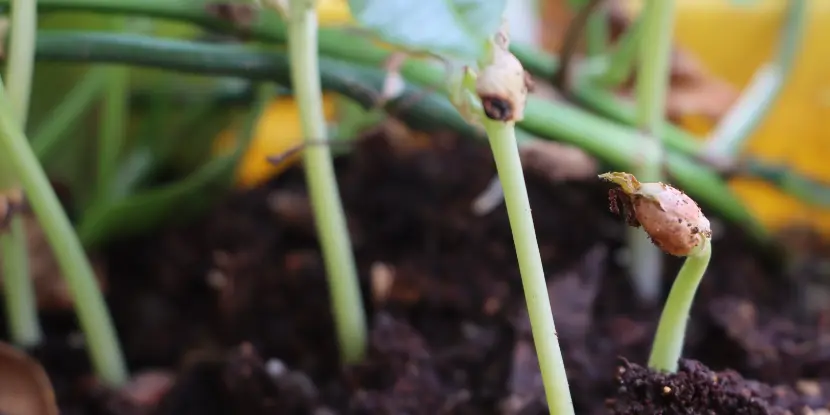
x=621 y=61
x=47 y=137
x=671 y=330
x=21 y=303
x=596 y=32
x=508 y=163
x=347 y=304
x=104 y=350
x=645 y=264
x=112 y=129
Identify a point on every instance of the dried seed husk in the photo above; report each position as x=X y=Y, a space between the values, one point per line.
x=672 y=219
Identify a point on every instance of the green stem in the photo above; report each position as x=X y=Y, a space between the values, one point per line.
x=746 y=115
x=671 y=331
x=506 y=153
x=652 y=86
x=104 y=350
x=596 y=32
x=620 y=63
x=19 y=292
x=21 y=59
x=652 y=82
x=47 y=137
x=112 y=129
x=344 y=289
x=21 y=302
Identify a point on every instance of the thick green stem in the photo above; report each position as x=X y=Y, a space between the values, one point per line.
x=645 y=265
x=344 y=288
x=104 y=350
x=671 y=331
x=21 y=304
x=506 y=153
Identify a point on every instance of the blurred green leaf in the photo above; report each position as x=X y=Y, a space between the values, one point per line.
x=142 y=211
x=458 y=28
x=178 y=201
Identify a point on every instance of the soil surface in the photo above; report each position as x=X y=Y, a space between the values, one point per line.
x=230 y=315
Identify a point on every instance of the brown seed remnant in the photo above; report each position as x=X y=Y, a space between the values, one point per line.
x=673 y=221
x=26 y=388
x=503 y=85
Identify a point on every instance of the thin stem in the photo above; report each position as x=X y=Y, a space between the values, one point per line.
x=21 y=59
x=344 y=289
x=596 y=32
x=508 y=163
x=19 y=293
x=621 y=61
x=112 y=129
x=671 y=331
x=47 y=137
x=21 y=302
x=104 y=350
x=645 y=265
x=652 y=81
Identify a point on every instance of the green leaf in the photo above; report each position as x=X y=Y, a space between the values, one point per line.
x=136 y=213
x=143 y=211
x=458 y=28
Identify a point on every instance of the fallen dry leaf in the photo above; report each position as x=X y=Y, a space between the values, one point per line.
x=24 y=387
x=556 y=161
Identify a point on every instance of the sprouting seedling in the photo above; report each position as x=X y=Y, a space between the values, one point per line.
x=495 y=97
x=330 y=220
x=676 y=224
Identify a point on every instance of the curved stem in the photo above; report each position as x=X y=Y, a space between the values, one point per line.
x=508 y=163
x=104 y=350
x=671 y=331
x=21 y=303
x=344 y=289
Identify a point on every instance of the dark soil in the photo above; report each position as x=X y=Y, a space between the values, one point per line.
x=237 y=306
